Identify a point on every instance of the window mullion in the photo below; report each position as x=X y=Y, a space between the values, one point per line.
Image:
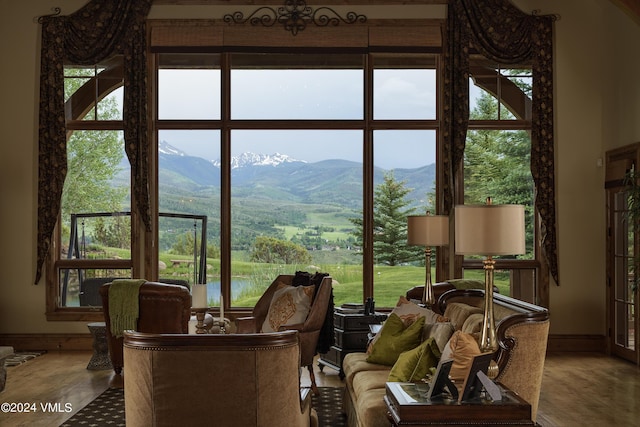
x=368 y=185
x=225 y=179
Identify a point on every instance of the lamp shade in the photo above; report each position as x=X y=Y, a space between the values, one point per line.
x=428 y=230
x=489 y=230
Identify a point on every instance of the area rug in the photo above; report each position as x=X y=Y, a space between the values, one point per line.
x=21 y=357
x=105 y=410
x=328 y=405
x=108 y=409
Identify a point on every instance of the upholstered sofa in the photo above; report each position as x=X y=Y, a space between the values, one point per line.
x=214 y=379
x=522 y=330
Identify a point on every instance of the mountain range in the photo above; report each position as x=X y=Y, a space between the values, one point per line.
x=278 y=177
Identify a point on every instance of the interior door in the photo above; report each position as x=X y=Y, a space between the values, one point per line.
x=622 y=260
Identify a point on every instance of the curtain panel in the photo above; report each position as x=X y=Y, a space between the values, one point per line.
x=95 y=32
x=502 y=33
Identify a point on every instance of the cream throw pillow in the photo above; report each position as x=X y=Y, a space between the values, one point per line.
x=441 y=332
x=290 y=305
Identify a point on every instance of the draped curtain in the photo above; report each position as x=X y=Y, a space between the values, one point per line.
x=102 y=28
x=95 y=32
x=502 y=33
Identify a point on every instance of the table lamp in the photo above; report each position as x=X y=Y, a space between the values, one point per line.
x=428 y=230
x=489 y=230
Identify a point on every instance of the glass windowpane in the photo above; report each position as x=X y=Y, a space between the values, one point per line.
x=404 y=185
x=189 y=202
x=101 y=85
x=403 y=94
x=80 y=287
x=294 y=193
x=500 y=94
x=97 y=182
x=497 y=165
x=325 y=88
x=189 y=87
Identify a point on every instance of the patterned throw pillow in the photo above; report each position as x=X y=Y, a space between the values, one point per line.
x=290 y=305
x=409 y=312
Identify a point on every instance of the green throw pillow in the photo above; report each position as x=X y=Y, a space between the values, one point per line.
x=415 y=364
x=393 y=339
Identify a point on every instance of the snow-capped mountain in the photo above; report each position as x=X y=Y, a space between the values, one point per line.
x=287 y=179
x=243 y=160
x=252 y=159
x=165 y=148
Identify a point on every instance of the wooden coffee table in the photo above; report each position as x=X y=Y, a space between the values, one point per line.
x=407 y=405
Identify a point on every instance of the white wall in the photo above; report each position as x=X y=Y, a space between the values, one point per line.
x=597 y=101
x=596 y=106
x=22 y=304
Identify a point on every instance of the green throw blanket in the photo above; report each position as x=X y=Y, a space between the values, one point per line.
x=123 y=305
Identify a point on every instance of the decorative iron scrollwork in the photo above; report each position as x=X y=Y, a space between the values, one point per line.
x=294 y=16
x=56 y=11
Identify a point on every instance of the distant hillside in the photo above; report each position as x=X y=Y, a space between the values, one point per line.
x=279 y=177
x=271 y=191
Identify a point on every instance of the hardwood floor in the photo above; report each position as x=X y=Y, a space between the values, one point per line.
x=578 y=389
x=589 y=389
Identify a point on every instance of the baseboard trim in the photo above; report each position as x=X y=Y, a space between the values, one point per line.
x=590 y=343
x=25 y=342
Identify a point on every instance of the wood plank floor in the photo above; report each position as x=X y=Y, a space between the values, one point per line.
x=578 y=389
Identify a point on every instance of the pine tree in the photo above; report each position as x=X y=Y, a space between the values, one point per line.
x=390 y=213
x=496 y=164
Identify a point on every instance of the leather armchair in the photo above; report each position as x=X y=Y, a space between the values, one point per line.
x=222 y=380
x=309 y=330
x=163 y=308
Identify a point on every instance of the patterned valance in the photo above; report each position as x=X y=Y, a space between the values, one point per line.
x=95 y=32
x=502 y=33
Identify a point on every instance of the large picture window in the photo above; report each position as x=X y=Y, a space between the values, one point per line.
x=251 y=151
x=295 y=137
x=269 y=159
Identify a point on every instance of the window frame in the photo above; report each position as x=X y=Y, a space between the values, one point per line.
x=144 y=262
x=226 y=125
x=535 y=291
x=55 y=263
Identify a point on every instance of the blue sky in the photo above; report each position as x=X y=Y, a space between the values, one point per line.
x=303 y=94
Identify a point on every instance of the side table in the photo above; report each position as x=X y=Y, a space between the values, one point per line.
x=100 y=359
x=351 y=332
x=407 y=405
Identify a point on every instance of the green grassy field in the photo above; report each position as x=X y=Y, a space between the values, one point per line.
x=343 y=266
x=389 y=282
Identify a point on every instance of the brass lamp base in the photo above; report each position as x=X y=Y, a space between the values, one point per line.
x=488 y=341
x=428 y=299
